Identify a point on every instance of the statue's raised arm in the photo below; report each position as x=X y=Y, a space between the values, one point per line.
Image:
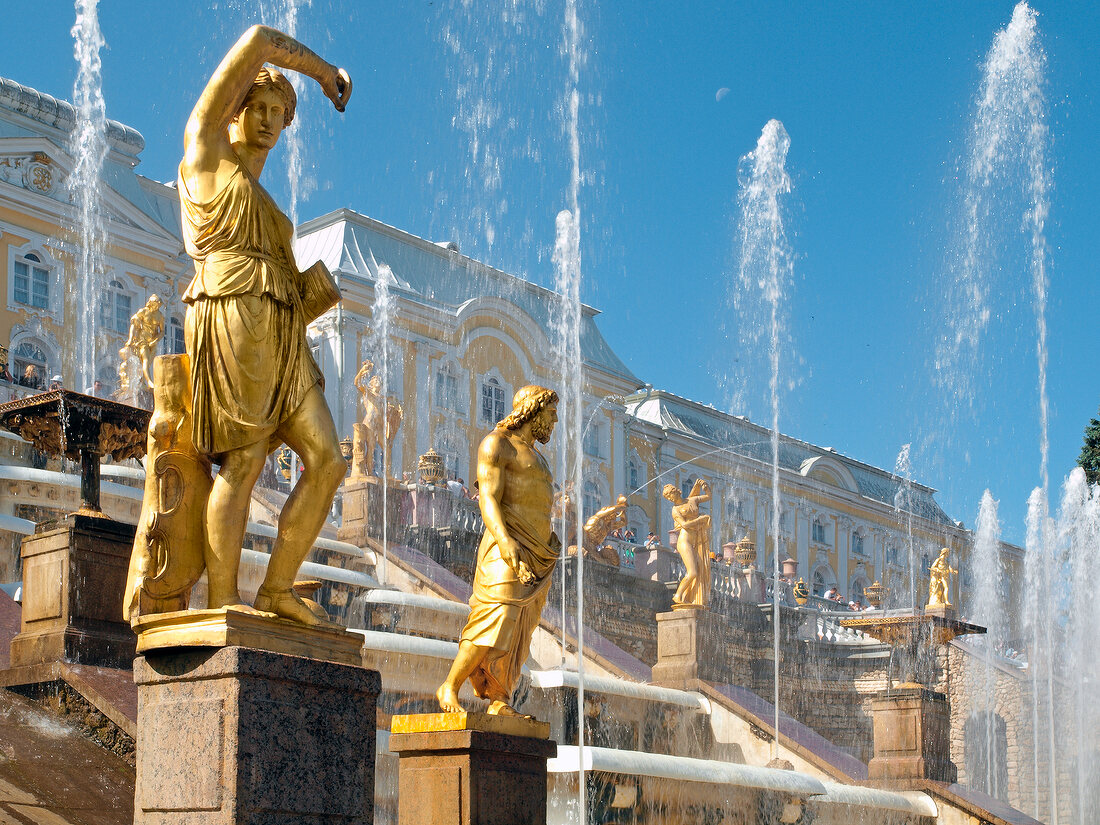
x=209 y=140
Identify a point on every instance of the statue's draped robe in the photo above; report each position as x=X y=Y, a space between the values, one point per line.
x=504 y=611
x=245 y=333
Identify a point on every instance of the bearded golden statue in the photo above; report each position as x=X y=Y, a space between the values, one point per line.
x=516 y=558
x=253 y=382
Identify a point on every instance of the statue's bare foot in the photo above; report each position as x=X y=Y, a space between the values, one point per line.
x=288 y=605
x=499 y=708
x=448 y=699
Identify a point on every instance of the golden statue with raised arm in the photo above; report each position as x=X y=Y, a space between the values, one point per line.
x=254 y=383
x=146 y=330
x=692 y=543
x=939 y=583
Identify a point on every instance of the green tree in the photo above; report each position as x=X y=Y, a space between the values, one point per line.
x=1089 y=459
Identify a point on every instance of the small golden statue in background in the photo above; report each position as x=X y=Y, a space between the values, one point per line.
x=939 y=582
x=381 y=420
x=693 y=544
x=146 y=330
x=597 y=528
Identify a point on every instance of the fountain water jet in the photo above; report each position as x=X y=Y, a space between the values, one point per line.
x=764 y=273
x=88 y=147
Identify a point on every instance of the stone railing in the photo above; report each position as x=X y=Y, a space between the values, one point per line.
x=12 y=392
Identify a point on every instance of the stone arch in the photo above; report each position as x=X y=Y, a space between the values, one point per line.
x=822 y=578
x=830 y=471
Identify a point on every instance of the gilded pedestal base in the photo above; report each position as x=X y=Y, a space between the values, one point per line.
x=232 y=628
x=471 y=769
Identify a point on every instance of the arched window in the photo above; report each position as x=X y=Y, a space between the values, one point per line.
x=31 y=281
x=819 y=582
x=492 y=402
x=115 y=308
x=632 y=475
x=176 y=340
x=29 y=354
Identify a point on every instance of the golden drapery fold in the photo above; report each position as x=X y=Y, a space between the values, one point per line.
x=250 y=361
x=504 y=611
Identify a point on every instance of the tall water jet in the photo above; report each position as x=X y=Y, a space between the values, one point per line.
x=764 y=274
x=1006 y=162
x=1079 y=532
x=987 y=608
x=88 y=147
x=567 y=328
x=903 y=511
x=382 y=318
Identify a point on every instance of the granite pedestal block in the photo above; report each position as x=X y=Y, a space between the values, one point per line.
x=698 y=644
x=467 y=776
x=912 y=732
x=73 y=580
x=233 y=735
x=362 y=509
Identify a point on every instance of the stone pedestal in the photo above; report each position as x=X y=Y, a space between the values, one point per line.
x=235 y=735
x=73 y=581
x=698 y=644
x=471 y=769
x=362 y=510
x=912 y=732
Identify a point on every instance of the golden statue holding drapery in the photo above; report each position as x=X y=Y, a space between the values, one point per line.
x=939 y=583
x=692 y=543
x=146 y=330
x=381 y=420
x=253 y=382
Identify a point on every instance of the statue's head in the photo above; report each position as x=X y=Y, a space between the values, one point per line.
x=266 y=110
x=672 y=493
x=375 y=384
x=534 y=404
x=154 y=301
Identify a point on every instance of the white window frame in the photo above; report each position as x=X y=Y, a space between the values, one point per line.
x=483 y=381
x=47 y=262
x=108 y=318
x=175 y=323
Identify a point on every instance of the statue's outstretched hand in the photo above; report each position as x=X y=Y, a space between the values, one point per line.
x=337 y=88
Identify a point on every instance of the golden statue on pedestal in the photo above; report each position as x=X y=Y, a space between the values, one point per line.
x=146 y=330
x=381 y=420
x=939 y=582
x=693 y=544
x=253 y=383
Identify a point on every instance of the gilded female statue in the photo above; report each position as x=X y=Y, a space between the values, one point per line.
x=693 y=543
x=253 y=381
x=939 y=580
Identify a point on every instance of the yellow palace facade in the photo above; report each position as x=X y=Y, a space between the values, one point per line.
x=459 y=338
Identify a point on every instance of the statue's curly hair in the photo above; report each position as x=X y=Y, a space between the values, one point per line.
x=526 y=404
x=270 y=78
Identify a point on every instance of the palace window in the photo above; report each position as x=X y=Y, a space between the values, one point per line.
x=594 y=440
x=446 y=389
x=632 y=475
x=31 y=282
x=591 y=498
x=857 y=545
x=30 y=355
x=492 y=401
x=178 y=345
x=116 y=308
x=819 y=532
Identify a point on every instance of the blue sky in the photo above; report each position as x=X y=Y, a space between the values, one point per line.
x=876 y=99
